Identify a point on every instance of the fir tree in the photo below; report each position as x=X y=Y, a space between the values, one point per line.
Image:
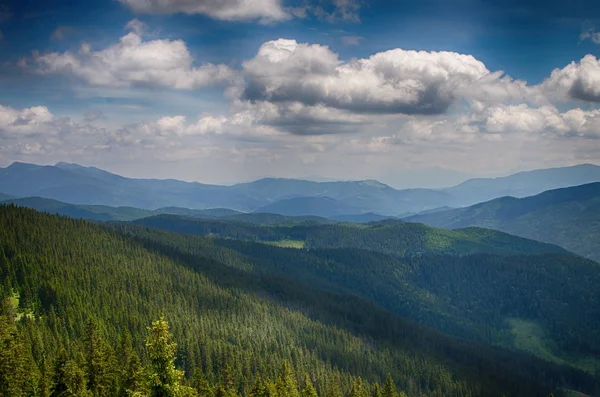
x=286 y=383
x=308 y=390
x=389 y=389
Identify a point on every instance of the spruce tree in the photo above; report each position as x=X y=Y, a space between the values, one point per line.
x=165 y=379
x=358 y=388
x=286 y=383
x=13 y=355
x=203 y=386
x=100 y=377
x=376 y=390
x=389 y=389
x=334 y=386
x=308 y=390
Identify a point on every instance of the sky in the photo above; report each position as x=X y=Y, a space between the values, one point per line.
x=412 y=93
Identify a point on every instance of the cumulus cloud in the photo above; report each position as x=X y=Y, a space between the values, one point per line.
x=135 y=62
x=37 y=131
x=136 y=26
x=229 y=10
x=307 y=89
x=578 y=80
x=496 y=122
x=29 y=121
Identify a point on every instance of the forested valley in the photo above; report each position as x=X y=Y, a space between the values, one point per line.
x=85 y=305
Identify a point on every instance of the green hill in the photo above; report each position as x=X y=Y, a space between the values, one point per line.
x=469 y=296
x=389 y=236
x=461 y=282
x=230 y=321
x=568 y=217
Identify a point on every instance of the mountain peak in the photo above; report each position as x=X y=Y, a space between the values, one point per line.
x=21 y=165
x=65 y=165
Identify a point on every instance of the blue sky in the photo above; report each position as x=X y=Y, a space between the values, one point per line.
x=218 y=91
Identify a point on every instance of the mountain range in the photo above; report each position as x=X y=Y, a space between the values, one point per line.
x=569 y=217
x=75 y=184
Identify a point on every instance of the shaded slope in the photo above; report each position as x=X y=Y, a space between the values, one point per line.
x=568 y=217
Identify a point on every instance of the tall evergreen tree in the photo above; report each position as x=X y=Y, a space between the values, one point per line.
x=165 y=379
x=308 y=390
x=203 y=386
x=389 y=389
x=358 y=389
x=14 y=368
x=334 y=386
x=99 y=363
x=286 y=382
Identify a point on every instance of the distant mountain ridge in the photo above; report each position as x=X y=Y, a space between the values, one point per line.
x=76 y=184
x=524 y=184
x=568 y=217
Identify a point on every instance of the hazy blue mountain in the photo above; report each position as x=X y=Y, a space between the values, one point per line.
x=569 y=217
x=106 y=213
x=4 y=197
x=365 y=196
x=360 y=218
x=523 y=184
x=316 y=206
x=266 y=219
x=75 y=184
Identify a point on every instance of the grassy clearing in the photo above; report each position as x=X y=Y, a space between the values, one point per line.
x=530 y=337
x=297 y=244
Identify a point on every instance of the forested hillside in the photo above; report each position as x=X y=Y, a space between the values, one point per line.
x=468 y=295
x=388 y=236
x=568 y=217
x=73 y=288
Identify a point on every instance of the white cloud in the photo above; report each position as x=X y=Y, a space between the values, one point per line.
x=590 y=34
x=136 y=26
x=24 y=122
x=496 y=122
x=135 y=62
x=393 y=82
x=229 y=10
x=578 y=80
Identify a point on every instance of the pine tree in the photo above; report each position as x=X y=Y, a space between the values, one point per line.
x=286 y=383
x=308 y=390
x=165 y=379
x=132 y=376
x=228 y=380
x=334 y=386
x=203 y=387
x=389 y=389
x=358 y=388
x=376 y=390
x=69 y=378
x=100 y=377
x=13 y=355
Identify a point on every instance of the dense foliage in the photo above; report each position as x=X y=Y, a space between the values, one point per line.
x=389 y=236
x=78 y=299
x=568 y=217
x=470 y=296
